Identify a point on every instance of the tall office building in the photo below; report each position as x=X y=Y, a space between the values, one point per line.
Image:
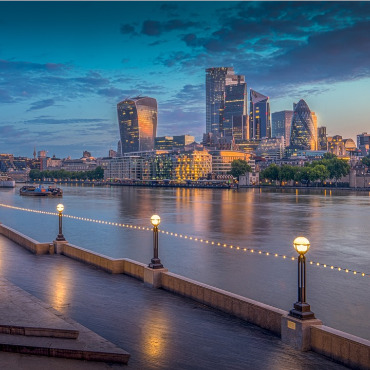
x=259 y=116
x=235 y=108
x=281 y=123
x=137 y=120
x=322 y=140
x=363 y=143
x=303 y=134
x=216 y=81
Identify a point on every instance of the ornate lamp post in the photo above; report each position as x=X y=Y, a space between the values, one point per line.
x=155 y=261
x=301 y=308
x=60 y=236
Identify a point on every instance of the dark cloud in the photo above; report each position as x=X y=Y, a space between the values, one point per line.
x=156 y=28
x=41 y=104
x=68 y=121
x=9 y=66
x=128 y=29
x=113 y=92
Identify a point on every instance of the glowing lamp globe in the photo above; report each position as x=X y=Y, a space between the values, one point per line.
x=301 y=245
x=60 y=207
x=155 y=220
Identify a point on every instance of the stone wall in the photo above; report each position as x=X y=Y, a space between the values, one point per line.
x=257 y=313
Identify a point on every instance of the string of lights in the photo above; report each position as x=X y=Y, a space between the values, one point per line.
x=194 y=239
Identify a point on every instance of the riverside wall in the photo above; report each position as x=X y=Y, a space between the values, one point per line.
x=341 y=347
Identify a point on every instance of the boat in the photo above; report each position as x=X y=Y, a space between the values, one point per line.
x=6 y=182
x=40 y=191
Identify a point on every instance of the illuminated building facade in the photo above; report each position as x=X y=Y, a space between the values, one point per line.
x=137 y=120
x=259 y=116
x=281 y=123
x=303 y=134
x=221 y=160
x=341 y=147
x=235 y=109
x=191 y=166
x=271 y=148
x=173 y=142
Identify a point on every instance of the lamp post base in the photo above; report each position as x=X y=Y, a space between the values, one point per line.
x=302 y=311
x=155 y=264
x=60 y=238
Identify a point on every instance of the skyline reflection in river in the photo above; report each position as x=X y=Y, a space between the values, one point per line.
x=336 y=225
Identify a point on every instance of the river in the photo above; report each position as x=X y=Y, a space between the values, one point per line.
x=335 y=222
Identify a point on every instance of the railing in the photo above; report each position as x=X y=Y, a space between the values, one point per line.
x=197 y=240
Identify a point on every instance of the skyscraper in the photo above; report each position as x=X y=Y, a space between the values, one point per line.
x=137 y=120
x=259 y=116
x=322 y=141
x=235 y=108
x=281 y=123
x=216 y=80
x=303 y=134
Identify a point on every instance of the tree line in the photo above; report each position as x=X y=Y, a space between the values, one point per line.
x=330 y=167
x=97 y=174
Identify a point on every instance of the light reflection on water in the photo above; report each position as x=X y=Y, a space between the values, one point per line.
x=336 y=223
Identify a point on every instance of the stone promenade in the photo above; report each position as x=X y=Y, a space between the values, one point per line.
x=159 y=330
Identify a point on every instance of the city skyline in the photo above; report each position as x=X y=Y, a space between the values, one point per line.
x=64 y=66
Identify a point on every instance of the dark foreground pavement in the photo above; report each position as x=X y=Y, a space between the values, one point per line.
x=160 y=330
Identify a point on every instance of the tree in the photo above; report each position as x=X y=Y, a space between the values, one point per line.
x=366 y=161
x=304 y=175
x=329 y=155
x=272 y=172
x=320 y=172
x=238 y=167
x=337 y=168
x=287 y=172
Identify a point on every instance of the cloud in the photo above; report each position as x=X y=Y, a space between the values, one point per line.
x=10 y=66
x=67 y=121
x=41 y=104
x=156 y=28
x=128 y=29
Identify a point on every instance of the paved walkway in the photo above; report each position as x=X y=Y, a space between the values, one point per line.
x=160 y=330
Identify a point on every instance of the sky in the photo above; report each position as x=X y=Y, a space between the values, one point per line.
x=64 y=66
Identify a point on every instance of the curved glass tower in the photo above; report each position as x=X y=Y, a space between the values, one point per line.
x=137 y=120
x=303 y=133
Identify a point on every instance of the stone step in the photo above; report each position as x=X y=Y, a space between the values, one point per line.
x=88 y=349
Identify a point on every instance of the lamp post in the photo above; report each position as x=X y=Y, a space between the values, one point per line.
x=155 y=261
x=301 y=308
x=60 y=236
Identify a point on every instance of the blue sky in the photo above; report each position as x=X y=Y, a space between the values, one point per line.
x=65 y=65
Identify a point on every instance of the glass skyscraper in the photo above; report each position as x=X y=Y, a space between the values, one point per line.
x=281 y=123
x=235 y=109
x=216 y=80
x=137 y=120
x=303 y=134
x=259 y=116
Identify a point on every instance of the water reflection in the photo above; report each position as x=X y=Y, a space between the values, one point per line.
x=336 y=223
x=60 y=287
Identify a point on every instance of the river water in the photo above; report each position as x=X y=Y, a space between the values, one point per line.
x=335 y=222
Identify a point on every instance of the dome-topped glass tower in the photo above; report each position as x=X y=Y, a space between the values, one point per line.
x=303 y=133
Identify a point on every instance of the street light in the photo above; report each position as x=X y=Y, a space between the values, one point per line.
x=155 y=261
x=301 y=308
x=60 y=209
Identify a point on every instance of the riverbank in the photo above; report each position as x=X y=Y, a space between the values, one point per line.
x=321 y=339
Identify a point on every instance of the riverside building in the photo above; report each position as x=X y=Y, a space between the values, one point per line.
x=137 y=120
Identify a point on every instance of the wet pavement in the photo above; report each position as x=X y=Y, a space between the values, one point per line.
x=160 y=330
